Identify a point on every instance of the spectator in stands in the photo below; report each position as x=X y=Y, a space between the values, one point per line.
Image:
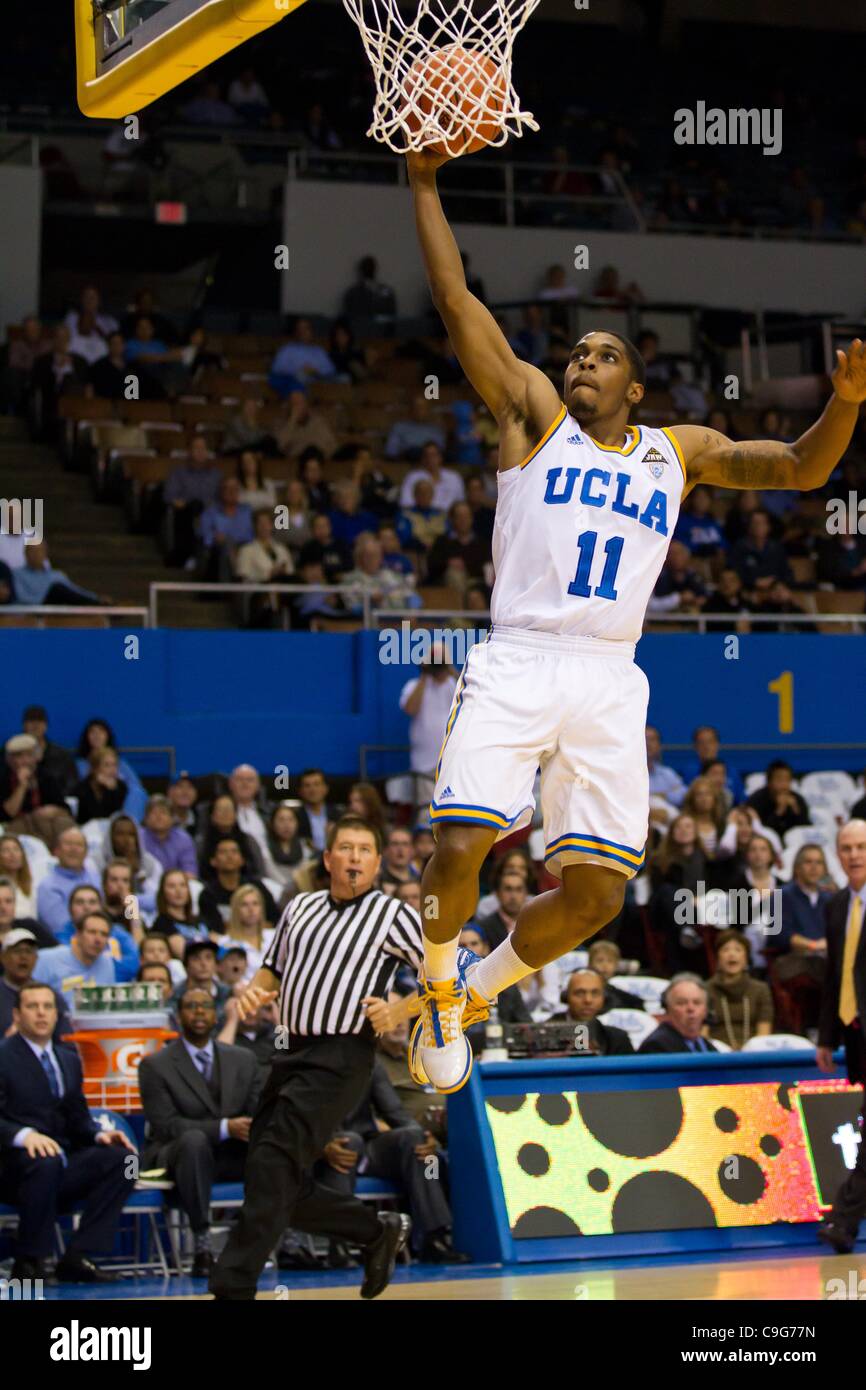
x=348 y=519
x=11 y=921
x=605 y=959
x=56 y=373
x=55 y=1156
x=584 y=1000
x=531 y=342
x=738 y=519
x=70 y=871
x=731 y=862
x=264 y=560
x=315 y=813
x=200 y=964
x=19 y=951
x=222 y=823
x=420 y=524
x=55 y=761
x=302 y=428
x=199 y=1098
x=122 y=841
x=369 y=304
x=364 y=801
x=208 y=108
x=663 y=780
x=257 y=1034
x=248 y=97
x=225 y=873
x=510 y=888
x=97 y=734
x=166 y=842
x=407 y=438
x=685 y=1002
x=349 y=359
x=740 y=1007
x=87 y=960
x=397 y=860
x=256 y=491
x=145 y=305
x=392 y=553
x=162 y=363
x=676 y=868
x=285 y=848
x=458 y=554
x=295 y=519
x=447 y=485
x=841 y=561
x=155 y=951
x=155 y=972
x=121 y=947
x=705 y=741
x=777 y=804
x=252 y=809
x=679 y=587
x=103 y=792
x=326 y=550
x=90 y=308
x=658 y=368
x=38 y=582
x=482 y=511
x=25 y=347
x=31 y=800
x=468 y=441
x=246 y=430
x=728 y=597
x=182 y=796
x=189 y=488
x=426 y=699
x=607 y=286
x=370 y=578
x=311 y=462
x=758 y=559
x=14 y=866
x=122 y=903
x=86 y=341
x=423 y=846
x=318 y=131
x=176 y=918
x=231 y=969
x=803 y=938
x=314 y=604
x=697 y=528
x=110 y=375
x=300 y=362
x=706 y=804
x=248 y=927
x=223 y=526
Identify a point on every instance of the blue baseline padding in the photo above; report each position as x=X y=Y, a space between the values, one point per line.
x=481 y=1224
x=293 y=699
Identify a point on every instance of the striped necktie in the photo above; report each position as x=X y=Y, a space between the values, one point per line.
x=50 y=1074
x=847 y=993
x=203 y=1064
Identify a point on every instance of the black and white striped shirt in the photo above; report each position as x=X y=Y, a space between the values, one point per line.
x=329 y=955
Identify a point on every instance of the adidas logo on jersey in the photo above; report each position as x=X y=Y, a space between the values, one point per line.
x=573 y=439
x=655 y=461
x=447 y=792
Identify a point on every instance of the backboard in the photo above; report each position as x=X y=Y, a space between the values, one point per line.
x=129 y=52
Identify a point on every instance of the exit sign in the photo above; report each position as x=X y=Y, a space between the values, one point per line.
x=173 y=214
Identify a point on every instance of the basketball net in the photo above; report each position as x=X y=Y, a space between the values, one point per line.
x=414 y=107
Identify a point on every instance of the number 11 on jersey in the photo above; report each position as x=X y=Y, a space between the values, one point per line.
x=580 y=585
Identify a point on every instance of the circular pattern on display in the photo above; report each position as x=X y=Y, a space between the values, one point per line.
x=771 y=1145
x=506 y=1103
x=749 y=1184
x=598 y=1180
x=645 y=1202
x=641 y=1124
x=541 y=1222
x=554 y=1109
x=783 y=1095
x=726 y=1120
x=533 y=1159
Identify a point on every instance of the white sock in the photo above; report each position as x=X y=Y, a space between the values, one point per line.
x=503 y=967
x=440 y=958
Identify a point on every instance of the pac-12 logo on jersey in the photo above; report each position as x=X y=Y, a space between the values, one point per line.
x=655 y=461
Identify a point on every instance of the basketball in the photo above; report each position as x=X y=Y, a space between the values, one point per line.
x=463 y=91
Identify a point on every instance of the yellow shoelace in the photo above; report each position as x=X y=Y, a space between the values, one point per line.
x=447 y=999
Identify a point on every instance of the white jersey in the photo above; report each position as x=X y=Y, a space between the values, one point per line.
x=582 y=530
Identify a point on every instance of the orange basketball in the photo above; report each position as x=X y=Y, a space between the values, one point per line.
x=463 y=91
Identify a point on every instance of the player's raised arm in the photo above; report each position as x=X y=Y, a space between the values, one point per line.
x=513 y=390
x=807 y=463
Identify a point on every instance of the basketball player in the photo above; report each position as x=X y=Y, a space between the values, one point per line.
x=587 y=506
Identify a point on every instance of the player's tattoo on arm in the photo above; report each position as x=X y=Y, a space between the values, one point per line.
x=764 y=463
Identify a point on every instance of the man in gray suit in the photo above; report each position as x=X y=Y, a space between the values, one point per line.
x=199 y=1097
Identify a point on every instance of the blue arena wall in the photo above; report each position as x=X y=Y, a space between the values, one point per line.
x=298 y=698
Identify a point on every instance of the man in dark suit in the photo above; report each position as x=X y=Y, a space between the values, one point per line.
x=314 y=813
x=583 y=997
x=404 y=1153
x=198 y=1097
x=52 y=1155
x=685 y=1005
x=843 y=1018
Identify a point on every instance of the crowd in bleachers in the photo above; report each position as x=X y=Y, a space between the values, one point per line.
x=368 y=462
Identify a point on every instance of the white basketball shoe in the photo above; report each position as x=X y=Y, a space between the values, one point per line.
x=439 y=1053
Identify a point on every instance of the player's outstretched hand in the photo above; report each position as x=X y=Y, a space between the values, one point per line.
x=849 y=378
x=252 y=1000
x=425 y=162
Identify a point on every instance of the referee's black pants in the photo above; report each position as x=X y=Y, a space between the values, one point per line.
x=307 y=1095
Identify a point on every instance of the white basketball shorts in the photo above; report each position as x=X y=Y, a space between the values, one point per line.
x=575 y=707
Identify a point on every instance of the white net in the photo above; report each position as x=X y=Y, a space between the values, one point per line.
x=443 y=74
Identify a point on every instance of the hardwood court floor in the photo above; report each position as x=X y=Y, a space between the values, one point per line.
x=796 y=1276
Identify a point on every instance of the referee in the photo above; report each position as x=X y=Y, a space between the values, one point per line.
x=331 y=951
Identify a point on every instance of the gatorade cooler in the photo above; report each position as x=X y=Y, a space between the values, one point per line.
x=111 y=1047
